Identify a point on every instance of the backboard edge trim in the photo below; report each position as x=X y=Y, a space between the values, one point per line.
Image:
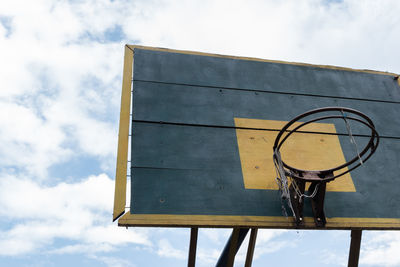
x=228 y=221
x=133 y=47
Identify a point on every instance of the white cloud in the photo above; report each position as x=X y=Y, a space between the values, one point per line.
x=59 y=92
x=165 y=249
x=80 y=212
x=210 y=245
x=334 y=258
x=267 y=242
x=207 y=256
x=216 y=236
x=113 y=261
x=344 y=33
x=380 y=249
x=82 y=249
x=28 y=141
x=266 y=235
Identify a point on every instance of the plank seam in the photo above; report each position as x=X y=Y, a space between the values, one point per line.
x=254 y=129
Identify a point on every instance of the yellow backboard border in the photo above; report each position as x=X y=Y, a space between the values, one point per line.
x=123 y=136
x=222 y=221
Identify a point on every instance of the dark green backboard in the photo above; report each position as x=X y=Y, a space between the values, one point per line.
x=201 y=124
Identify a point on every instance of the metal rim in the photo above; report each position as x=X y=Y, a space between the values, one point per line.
x=367 y=151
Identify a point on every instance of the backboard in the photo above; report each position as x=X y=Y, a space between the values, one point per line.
x=197 y=130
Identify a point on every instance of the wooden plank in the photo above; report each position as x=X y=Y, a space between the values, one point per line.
x=220 y=192
x=213 y=192
x=123 y=137
x=255 y=74
x=219 y=107
x=205 y=148
x=268 y=222
x=184 y=147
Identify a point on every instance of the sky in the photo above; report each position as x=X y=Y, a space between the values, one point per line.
x=60 y=88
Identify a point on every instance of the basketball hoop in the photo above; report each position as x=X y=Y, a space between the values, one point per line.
x=292 y=180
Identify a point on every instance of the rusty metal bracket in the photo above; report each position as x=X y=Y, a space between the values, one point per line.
x=316 y=191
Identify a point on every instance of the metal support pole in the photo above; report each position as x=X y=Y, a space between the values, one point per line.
x=233 y=248
x=250 y=249
x=355 y=245
x=227 y=257
x=192 y=247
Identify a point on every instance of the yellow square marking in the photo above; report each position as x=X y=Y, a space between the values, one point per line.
x=301 y=150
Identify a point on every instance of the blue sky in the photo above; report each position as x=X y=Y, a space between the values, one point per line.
x=60 y=84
